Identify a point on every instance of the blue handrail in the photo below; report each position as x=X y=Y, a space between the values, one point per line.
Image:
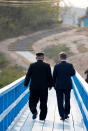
x=14 y=97
x=12 y=100
x=80 y=88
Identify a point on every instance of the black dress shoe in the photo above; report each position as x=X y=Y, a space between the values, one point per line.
x=42 y=119
x=62 y=118
x=66 y=116
x=34 y=116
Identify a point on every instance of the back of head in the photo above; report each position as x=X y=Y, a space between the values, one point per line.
x=40 y=56
x=62 y=56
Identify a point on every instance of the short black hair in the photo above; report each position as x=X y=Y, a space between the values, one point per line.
x=63 y=55
x=40 y=54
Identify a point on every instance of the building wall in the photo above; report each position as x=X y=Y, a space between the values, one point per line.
x=70 y=15
x=86 y=22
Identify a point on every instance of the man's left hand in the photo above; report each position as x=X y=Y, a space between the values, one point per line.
x=50 y=88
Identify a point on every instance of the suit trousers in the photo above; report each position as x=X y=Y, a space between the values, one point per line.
x=63 y=101
x=35 y=96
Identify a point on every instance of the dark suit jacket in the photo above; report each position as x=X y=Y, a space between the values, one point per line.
x=86 y=72
x=40 y=75
x=62 y=75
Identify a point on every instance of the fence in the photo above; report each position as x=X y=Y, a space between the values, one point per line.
x=80 y=88
x=12 y=99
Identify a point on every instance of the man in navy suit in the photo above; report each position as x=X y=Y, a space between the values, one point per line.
x=62 y=82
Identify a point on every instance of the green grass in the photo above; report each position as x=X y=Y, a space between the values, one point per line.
x=3 y=61
x=80 y=29
x=53 y=51
x=24 y=20
x=82 y=49
x=8 y=73
x=75 y=41
x=87 y=34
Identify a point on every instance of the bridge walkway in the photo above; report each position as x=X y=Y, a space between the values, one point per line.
x=16 y=116
x=52 y=122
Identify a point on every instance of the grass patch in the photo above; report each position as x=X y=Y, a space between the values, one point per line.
x=87 y=35
x=81 y=48
x=53 y=51
x=3 y=61
x=80 y=29
x=75 y=41
x=8 y=73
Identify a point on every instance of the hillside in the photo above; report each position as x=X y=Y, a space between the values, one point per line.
x=21 y=19
x=73 y=42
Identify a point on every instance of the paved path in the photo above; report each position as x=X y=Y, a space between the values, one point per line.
x=27 y=55
x=25 y=45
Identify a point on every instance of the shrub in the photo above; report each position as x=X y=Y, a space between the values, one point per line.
x=53 y=51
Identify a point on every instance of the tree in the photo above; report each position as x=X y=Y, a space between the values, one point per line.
x=18 y=19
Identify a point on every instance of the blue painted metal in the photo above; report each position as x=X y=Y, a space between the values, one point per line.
x=84 y=97
x=9 y=97
x=82 y=92
x=85 y=21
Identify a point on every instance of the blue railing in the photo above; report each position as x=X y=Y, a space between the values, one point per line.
x=80 y=88
x=12 y=99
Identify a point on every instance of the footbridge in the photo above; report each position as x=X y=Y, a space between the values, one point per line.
x=16 y=116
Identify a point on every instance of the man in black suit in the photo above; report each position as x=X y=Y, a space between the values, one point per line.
x=62 y=82
x=41 y=79
x=86 y=72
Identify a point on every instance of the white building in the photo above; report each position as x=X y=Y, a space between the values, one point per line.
x=72 y=10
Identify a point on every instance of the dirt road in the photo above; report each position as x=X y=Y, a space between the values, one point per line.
x=76 y=40
x=40 y=40
x=25 y=45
